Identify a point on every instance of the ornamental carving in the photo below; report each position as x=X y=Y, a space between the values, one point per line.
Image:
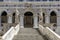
x=28 y=5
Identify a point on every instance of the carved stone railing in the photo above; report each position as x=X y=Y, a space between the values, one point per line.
x=7 y=26
x=47 y=24
x=10 y=33
x=46 y=31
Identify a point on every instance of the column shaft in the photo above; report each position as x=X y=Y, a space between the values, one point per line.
x=22 y=21
x=35 y=22
x=10 y=19
x=47 y=19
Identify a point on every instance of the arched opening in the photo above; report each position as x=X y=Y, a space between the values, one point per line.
x=43 y=17
x=53 y=19
x=4 y=17
x=28 y=19
x=13 y=18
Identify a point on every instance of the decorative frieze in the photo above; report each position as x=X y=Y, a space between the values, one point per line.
x=30 y=5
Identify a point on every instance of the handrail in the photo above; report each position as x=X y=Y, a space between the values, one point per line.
x=10 y=33
x=17 y=29
x=5 y=36
x=53 y=32
x=49 y=33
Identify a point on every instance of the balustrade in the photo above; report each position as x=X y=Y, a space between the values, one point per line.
x=10 y=33
x=50 y=34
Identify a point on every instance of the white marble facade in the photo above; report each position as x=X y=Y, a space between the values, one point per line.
x=21 y=11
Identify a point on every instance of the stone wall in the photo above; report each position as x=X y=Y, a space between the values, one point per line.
x=35 y=11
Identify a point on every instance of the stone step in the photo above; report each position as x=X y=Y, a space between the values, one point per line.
x=28 y=34
x=28 y=31
x=29 y=37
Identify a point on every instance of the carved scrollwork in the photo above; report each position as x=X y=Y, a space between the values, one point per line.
x=28 y=4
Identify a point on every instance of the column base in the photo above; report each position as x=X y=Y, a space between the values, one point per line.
x=35 y=26
x=21 y=26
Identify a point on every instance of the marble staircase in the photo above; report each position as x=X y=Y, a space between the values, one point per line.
x=28 y=34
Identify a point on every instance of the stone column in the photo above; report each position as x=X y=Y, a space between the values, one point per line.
x=0 y=24
x=0 y=21
x=9 y=21
x=47 y=18
x=35 y=21
x=58 y=23
x=22 y=21
x=16 y=19
x=9 y=18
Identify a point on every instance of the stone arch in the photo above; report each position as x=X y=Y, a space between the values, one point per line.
x=4 y=18
x=55 y=10
x=28 y=14
x=28 y=19
x=53 y=17
x=13 y=17
x=29 y=10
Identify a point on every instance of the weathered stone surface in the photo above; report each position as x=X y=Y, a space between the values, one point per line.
x=28 y=34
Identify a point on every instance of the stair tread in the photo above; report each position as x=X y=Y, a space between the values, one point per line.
x=28 y=34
